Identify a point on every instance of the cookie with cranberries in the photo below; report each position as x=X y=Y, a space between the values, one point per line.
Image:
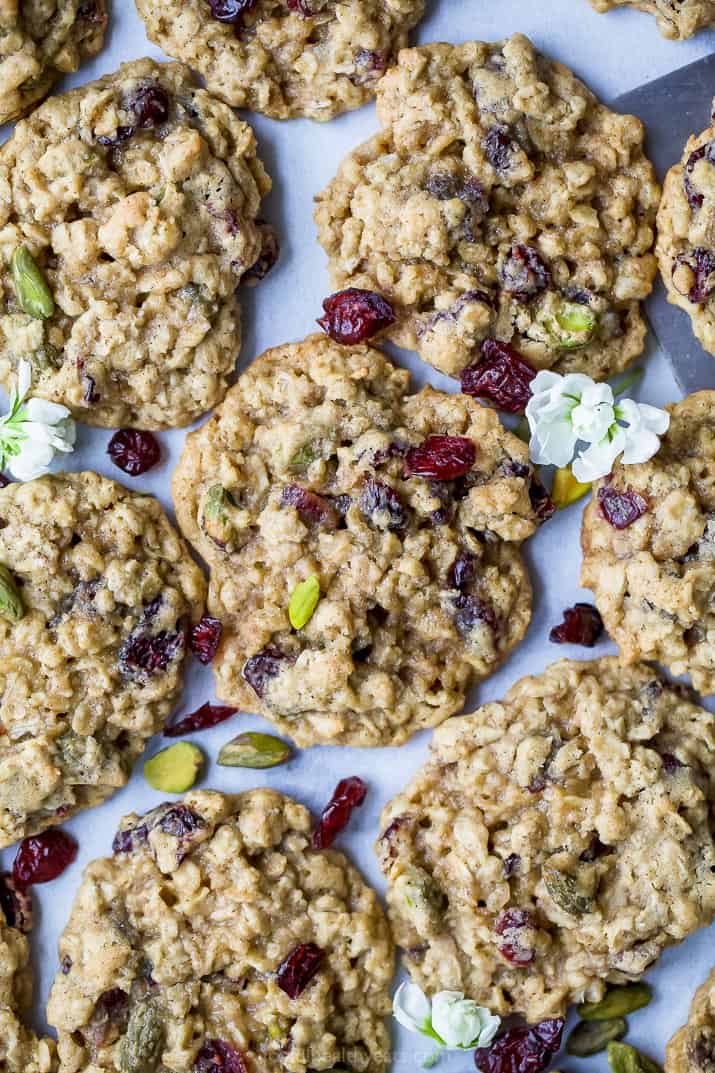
x=692 y=1048
x=21 y=1050
x=676 y=19
x=406 y=510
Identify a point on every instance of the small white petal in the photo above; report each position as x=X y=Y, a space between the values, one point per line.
x=44 y=412
x=33 y=461
x=411 y=1007
x=24 y=378
x=597 y=460
x=459 y=1021
x=553 y=444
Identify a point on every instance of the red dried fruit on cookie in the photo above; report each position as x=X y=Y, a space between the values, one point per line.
x=217 y=1056
x=295 y=973
x=313 y=509
x=582 y=625
x=258 y=670
x=382 y=506
x=621 y=509
x=15 y=904
x=523 y=273
x=208 y=715
x=42 y=858
x=349 y=794
x=441 y=458
x=133 y=451
x=511 y=926
x=354 y=316
x=522 y=1050
x=205 y=637
x=502 y=376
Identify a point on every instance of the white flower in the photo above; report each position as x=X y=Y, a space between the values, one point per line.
x=449 y=1019
x=32 y=431
x=564 y=411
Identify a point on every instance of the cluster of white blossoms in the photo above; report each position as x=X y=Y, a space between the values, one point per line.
x=33 y=430
x=448 y=1019
x=565 y=411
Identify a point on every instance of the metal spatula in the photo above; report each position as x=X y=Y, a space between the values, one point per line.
x=672 y=109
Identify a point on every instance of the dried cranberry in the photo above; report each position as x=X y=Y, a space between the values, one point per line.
x=204 y=638
x=462 y=571
x=595 y=849
x=208 y=715
x=109 y=1018
x=671 y=764
x=499 y=147
x=522 y=1050
x=509 y=924
x=371 y=59
x=230 y=10
x=502 y=376
x=258 y=670
x=268 y=257
x=511 y=865
x=621 y=509
x=311 y=507
x=701 y=263
x=217 y=1056
x=444 y=186
x=441 y=458
x=150 y=105
x=302 y=7
x=582 y=625
x=15 y=904
x=144 y=653
x=541 y=501
x=133 y=451
x=127 y=841
x=354 y=315
x=66 y=965
x=470 y=611
x=705 y=152
x=180 y=821
x=42 y=858
x=113 y=141
x=295 y=973
x=523 y=274
x=349 y=794
x=379 y=502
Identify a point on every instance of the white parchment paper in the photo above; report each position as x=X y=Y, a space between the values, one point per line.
x=612 y=54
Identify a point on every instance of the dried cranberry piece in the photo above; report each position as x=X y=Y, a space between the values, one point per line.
x=268 y=257
x=204 y=638
x=311 y=507
x=511 y=865
x=523 y=273
x=258 y=670
x=127 y=841
x=295 y=973
x=302 y=7
x=701 y=263
x=208 y=715
x=441 y=458
x=144 y=653
x=42 y=858
x=582 y=625
x=217 y=1056
x=179 y=821
x=541 y=501
x=499 y=147
x=502 y=376
x=150 y=105
x=509 y=924
x=349 y=794
x=113 y=141
x=444 y=186
x=595 y=849
x=378 y=499
x=463 y=571
x=621 y=509
x=705 y=152
x=133 y=451
x=470 y=611
x=522 y=1050
x=15 y=904
x=66 y=965
x=370 y=58
x=671 y=764
x=230 y=10
x=109 y=1018
x=354 y=315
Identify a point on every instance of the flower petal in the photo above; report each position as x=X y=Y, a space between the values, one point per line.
x=47 y=413
x=33 y=461
x=597 y=460
x=24 y=378
x=459 y=1021
x=411 y=1007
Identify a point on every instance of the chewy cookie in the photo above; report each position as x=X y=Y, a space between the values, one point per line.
x=676 y=18
x=648 y=541
x=216 y=938
x=20 y=1050
x=555 y=841
x=137 y=198
x=285 y=58
x=41 y=40
x=686 y=235
x=500 y=200
x=406 y=509
x=692 y=1049
x=91 y=661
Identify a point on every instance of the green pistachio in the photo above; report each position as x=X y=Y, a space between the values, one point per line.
x=623 y=1058
x=254 y=750
x=141 y=1048
x=11 y=605
x=566 y=892
x=33 y=294
x=421 y=891
x=305 y=455
x=617 y=1002
x=303 y=602
x=216 y=522
x=593 y=1037
x=567 y=325
x=175 y=769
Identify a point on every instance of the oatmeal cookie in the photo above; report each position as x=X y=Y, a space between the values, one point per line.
x=407 y=510
x=20 y=1050
x=555 y=841
x=676 y=18
x=40 y=40
x=692 y=1049
x=136 y=196
x=91 y=662
x=313 y=58
x=686 y=235
x=500 y=200
x=216 y=938
x=648 y=542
